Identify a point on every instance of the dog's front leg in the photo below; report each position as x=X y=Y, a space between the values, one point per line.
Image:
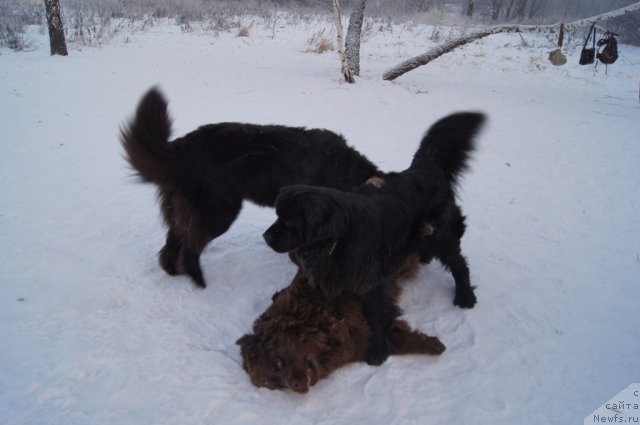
x=380 y=311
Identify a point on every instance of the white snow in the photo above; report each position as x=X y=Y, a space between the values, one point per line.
x=93 y=332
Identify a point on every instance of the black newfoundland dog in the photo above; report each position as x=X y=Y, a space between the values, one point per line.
x=354 y=241
x=204 y=176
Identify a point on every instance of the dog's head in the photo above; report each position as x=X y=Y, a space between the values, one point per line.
x=277 y=361
x=307 y=216
x=293 y=341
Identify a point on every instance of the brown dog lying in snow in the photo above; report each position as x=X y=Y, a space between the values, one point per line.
x=303 y=336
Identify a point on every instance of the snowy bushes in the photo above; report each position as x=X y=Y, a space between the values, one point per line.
x=318 y=43
x=15 y=16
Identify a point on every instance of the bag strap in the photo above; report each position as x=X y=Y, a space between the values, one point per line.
x=586 y=40
x=606 y=37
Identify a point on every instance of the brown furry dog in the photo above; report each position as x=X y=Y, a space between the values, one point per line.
x=303 y=336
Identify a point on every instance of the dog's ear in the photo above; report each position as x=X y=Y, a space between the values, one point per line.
x=247 y=340
x=249 y=350
x=249 y=344
x=320 y=213
x=288 y=200
x=324 y=214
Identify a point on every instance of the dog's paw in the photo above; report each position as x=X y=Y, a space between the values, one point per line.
x=168 y=263
x=378 y=352
x=433 y=345
x=465 y=298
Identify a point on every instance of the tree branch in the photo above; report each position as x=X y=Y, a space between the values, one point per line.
x=436 y=52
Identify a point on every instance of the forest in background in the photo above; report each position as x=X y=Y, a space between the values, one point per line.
x=90 y=22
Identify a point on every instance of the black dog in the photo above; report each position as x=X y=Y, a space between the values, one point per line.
x=204 y=176
x=354 y=241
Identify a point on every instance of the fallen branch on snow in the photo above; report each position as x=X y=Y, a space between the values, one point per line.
x=436 y=52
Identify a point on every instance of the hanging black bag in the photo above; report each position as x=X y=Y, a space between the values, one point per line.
x=609 y=53
x=588 y=55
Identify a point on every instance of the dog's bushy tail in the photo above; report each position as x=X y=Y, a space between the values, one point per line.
x=448 y=143
x=145 y=139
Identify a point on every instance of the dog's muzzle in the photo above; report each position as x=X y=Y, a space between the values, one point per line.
x=271 y=238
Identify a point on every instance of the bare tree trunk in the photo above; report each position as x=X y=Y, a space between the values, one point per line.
x=521 y=9
x=424 y=5
x=509 y=10
x=470 y=8
x=56 y=30
x=534 y=8
x=496 y=9
x=436 y=52
x=343 y=58
x=354 y=31
x=561 y=36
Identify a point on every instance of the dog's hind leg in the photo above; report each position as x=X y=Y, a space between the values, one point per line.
x=380 y=311
x=213 y=219
x=451 y=257
x=405 y=340
x=189 y=260
x=176 y=259
x=169 y=254
x=191 y=264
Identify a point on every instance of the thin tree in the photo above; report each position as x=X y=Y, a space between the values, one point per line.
x=56 y=30
x=470 y=7
x=520 y=10
x=337 y=15
x=496 y=9
x=436 y=52
x=534 y=8
x=354 y=32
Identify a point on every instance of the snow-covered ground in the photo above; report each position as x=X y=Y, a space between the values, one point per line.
x=93 y=332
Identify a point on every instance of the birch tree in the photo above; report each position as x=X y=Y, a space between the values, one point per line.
x=56 y=30
x=354 y=32
x=436 y=52
x=337 y=15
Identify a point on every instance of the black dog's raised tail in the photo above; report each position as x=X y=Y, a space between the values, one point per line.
x=449 y=142
x=146 y=139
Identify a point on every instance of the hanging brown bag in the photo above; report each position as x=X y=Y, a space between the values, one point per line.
x=609 y=53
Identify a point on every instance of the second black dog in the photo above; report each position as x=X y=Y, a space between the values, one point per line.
x=354 y=241
x=204 y=176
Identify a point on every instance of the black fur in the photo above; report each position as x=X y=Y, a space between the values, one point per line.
x=354 y=241
x=203 y=177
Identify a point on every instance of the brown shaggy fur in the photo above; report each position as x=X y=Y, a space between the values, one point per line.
x=303 y=336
